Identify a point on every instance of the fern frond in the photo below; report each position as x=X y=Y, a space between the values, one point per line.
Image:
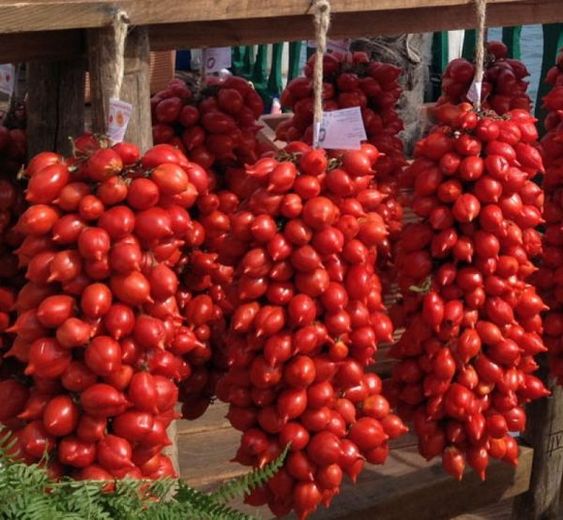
x=27 y=493
x=243 y=485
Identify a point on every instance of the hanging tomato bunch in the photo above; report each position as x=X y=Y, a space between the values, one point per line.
x=549 y=278
x=13 y=393
x=305 y=316
x=504 y=87
x=353 y=80
x=98 y=326
x=214 y=127
x=472 y=323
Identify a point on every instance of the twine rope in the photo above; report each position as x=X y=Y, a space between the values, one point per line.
x=120 y=24
x=321 y=20
x=480 y=9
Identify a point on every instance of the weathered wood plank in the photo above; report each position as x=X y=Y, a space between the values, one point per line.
x=545 y=434
x=169 y=34
x=35 y=46
x=41 y=15
x=55 y=105
x=405 y=487
x=136 y=84
x=423 y=491
x=343 y=25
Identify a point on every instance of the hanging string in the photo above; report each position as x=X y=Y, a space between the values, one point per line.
x=480 y=8
x=120 y=24
x=321 y=19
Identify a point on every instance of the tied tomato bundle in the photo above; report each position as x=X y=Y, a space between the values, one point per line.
x=504 y=88
x=473 y=324
x=353 y=80
x=305 y=317
x=13 y=392
x=549 y=278
x=98 y=326
x=216 y=127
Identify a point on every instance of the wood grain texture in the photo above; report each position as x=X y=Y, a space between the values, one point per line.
x=136 y=84
x=40 y=15
x=406 y=487
x=545 y=433
x=219 y=31
x=346 y=24
x=55 y=105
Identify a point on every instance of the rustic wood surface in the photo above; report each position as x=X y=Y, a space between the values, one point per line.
x=406 y=487
x=200 y=23
x=55 y=106
x=545 y=433
x=136 y=84
x=43 y=15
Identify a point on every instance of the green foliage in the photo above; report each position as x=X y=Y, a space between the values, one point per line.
x=27 y=493
x=246 y=483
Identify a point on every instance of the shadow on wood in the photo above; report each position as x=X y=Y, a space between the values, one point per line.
x=406 y=487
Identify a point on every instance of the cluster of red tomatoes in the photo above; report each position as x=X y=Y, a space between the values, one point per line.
x=13 y=146
x=504 y=87
x=473 y=324
x=353 y=80
x=549 y=278
x=215 y=127
x=301 y=235
x=98 y=330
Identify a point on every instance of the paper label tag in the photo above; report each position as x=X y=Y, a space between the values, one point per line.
x=341 y=129
x=339 y=45
x=474 y=92
x=118 y=119
x=216 y=59
x=7 y=78
x=333 y=45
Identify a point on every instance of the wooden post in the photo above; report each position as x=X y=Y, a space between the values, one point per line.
x=545 y=435
x=55 y=105
x=136 y=81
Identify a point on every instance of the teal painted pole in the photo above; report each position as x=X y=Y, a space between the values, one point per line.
x=552 y=42
x=295 y=49
x=468 y=51
x=511 y=38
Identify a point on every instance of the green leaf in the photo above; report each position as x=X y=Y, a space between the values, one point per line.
x=27 y=493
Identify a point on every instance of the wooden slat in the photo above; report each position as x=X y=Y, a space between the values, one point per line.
x=346 y=24
x=40 y=15
x=38 y=46
x=405 y=487
x=217 y=31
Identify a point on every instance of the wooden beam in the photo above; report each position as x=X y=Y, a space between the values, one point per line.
x=40 y=46
x=55 y=105
x=41 y=15
x=67 y=44
x=344 y=25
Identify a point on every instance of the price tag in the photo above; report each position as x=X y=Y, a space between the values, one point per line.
x=118 y=119
x=7 y=78
x=338 y=45
x=216 y=59
x=341 y=129
x=474 y=92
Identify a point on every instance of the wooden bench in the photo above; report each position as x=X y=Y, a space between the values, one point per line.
x=406 y=487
